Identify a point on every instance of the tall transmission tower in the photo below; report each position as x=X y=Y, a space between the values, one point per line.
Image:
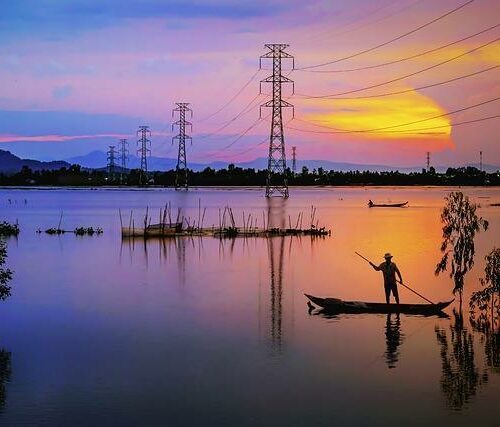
x=144 y=145
x=481 y=161
x=294 y=160
x=111 y=160
x=181 y=171
x=276 y=181
x=123 y=154
x=428 y=161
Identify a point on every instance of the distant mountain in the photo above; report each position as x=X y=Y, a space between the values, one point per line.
x=10 y=164
x=98 y=160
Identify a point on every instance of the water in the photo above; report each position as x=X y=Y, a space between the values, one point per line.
x=209 y=332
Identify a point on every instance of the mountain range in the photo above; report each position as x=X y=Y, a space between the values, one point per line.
x=98 y=159
x=10 y=163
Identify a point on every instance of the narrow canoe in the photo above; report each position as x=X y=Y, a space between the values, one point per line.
x=340 y=306
x=387 y=205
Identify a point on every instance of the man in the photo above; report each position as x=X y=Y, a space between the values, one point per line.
x=389 y=269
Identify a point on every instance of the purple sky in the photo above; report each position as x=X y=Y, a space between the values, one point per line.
x=77 y=75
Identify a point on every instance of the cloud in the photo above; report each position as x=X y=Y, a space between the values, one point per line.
x=363 y=115
x=62 y=92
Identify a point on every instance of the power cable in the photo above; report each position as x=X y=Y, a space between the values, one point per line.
x=391 y=40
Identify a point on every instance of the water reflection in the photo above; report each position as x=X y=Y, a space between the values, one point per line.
x=460 y=376
x=487 y=324
x=5 y=372
x=276 y=248
x=393 y=338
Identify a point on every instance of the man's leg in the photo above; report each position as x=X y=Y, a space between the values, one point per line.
x=395 y=292
x=387 y=289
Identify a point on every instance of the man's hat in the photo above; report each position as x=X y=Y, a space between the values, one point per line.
x=387 y=255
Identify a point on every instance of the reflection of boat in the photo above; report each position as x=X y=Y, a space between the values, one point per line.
x=386 y=205
x=339 y=306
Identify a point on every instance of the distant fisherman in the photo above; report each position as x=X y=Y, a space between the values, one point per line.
x=389 y=269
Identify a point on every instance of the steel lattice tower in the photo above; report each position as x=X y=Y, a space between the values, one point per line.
x=276 y=181
x=181 y=171
x=480 y=161
x=111 y=160
x=123 y=153
x=428 y=161
x=294 y=160
x=144 y=148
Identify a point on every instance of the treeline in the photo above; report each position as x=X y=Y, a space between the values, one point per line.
x=236 y=176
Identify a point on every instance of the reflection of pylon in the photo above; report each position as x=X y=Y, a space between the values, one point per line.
x=181 y=171
x=276 y=269
x=276 y=165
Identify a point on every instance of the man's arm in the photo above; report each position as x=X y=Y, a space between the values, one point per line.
x=375 y=267
x=398 y=273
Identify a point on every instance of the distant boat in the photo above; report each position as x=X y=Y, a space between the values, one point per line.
x=340 y=306
x=386 y=205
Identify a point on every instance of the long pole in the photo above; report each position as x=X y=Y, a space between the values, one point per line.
x=401 y=283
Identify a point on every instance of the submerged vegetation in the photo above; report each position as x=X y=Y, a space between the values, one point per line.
x=7 y=229
x=237 y=176
x=5 y=273
x=460 y=225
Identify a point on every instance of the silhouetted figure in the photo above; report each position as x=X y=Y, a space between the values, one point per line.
x=370 y=204
x=389 y=269
x=393 y=339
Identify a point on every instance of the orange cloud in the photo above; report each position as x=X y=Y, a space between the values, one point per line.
x=384 y=118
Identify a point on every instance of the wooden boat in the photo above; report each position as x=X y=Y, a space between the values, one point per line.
x=386 y=205
x=340 y=306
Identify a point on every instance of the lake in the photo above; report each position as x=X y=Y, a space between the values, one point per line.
x=203 y=331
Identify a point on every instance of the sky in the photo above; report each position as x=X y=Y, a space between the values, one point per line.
x=78 y=75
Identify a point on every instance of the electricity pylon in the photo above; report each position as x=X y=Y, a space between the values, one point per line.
x=428 y=161
x=181 y=171
x=144 y=148
x=294 y=160
x=123 y=153
x=276 y=181
x=111 y=161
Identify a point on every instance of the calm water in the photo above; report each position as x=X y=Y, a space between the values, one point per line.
x=209 y=332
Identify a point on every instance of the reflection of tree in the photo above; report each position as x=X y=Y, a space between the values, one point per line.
x=486 y=324
x=460 y=377
x=394 y=338
x=5 y=371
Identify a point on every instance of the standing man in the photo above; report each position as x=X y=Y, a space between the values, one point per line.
x=389 y=269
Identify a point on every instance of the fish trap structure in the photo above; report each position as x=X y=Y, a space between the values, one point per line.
x=250 y=226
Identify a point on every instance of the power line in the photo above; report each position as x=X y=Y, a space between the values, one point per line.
x=401 y=77
x=241 y=135
x=407 y=130
x=366 y=24
x=232 y=98
x=397 y=61
x=391 y=40
x=470 y=107
x=248 y=107
x=399 y=92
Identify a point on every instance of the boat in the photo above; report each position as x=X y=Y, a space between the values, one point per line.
x=340 y=306
x=386 y=205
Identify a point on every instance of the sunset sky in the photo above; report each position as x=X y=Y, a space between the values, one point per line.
x=77 y=75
